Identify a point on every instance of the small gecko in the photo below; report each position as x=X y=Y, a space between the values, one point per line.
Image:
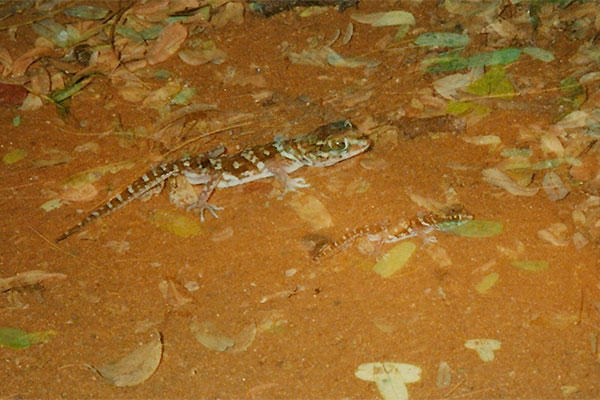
x=325 y=146
x=421 y=225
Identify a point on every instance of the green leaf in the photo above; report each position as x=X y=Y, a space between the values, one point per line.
x=478 y=228
x=493 y=83
x=540 y=54
x=57 y=33
x=129 y=33
x=18 y=339
x=52 y=204
x=14 y=156
x=16 y=120
x=442 y=39
x=530 y=265
x=151 y=32
x=61 y=95
x=444 y=64
x=503 y=56
x=462 y=107
x=183 y=97
x=86 y=12
x=487 y=282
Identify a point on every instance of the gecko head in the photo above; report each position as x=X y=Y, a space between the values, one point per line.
x=330 y=144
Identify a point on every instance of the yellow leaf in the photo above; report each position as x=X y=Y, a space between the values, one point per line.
x=394 y=259
x=177 y=223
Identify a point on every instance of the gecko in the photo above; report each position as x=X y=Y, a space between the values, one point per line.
x=323 y=147
x=420 y=225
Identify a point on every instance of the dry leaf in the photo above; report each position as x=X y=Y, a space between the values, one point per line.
x=556 y=234
x=232 y=12
x=28 y=278
x=135 y=368
x=168 y=43
x=554 y=187
x=495 y=177
x=311 y=210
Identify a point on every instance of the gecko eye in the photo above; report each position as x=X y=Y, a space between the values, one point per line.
x=339 y=144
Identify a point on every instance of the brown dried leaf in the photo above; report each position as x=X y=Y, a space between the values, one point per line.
x=6 y=61
x=232 y=12
x=12 y=95
x=168 y=43
x=22 y=63
x=40 y=81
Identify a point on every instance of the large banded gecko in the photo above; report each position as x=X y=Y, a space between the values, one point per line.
x=421 y=225
x=325 y=146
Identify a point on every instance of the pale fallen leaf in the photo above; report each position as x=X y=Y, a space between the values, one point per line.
x=495 y=177
x=232 y=12
x=390 y=377
x=28 y=278
x=311 y=210
x=118 y=246
x=387 y=18
x=168 y=43
x=85 y=192
x=210 y=336
x=135 y=368
x=554 y=187
x=484 y=347
x=556 y=234
x=244 y=339
x=444 y=376
x=550 y=144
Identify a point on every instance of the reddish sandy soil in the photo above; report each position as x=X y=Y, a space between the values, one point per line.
x=128 y=280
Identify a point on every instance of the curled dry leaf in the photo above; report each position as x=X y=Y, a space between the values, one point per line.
x=554 y=187
x=135 y=368
x=495 y=177
x=28 y=278
x=22 y=63
x=168 y=43
x=6 y=61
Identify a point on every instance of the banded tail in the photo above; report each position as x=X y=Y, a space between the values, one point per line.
x=150 y=180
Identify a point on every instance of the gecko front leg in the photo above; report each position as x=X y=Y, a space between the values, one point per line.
x=200 y=203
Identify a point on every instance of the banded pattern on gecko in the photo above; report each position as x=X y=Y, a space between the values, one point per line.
x=325 y=146
x=420 y=225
